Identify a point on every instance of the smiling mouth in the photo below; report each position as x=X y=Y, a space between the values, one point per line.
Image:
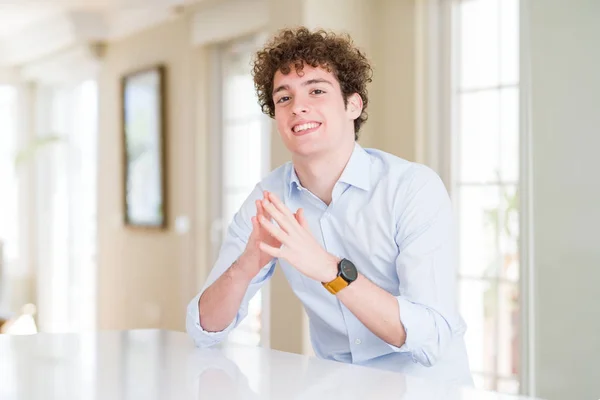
x=308 y=127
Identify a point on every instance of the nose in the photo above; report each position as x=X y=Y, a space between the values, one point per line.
x=299 y=107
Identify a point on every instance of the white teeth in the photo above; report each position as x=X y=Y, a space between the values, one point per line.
x=303 y=127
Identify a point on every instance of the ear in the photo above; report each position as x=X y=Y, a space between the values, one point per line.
x=355 y=106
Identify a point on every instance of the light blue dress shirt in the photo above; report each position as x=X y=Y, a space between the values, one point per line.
x=393 y=219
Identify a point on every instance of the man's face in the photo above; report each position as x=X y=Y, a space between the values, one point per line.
x=311 y=116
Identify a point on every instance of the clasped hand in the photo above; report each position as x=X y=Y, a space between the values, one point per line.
x=298 y=245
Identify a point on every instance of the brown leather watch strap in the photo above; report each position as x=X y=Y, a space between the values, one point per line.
x=335 y=285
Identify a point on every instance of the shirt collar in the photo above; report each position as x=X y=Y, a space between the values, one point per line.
x=294 y=181
x=358 y=170
x=356 y=173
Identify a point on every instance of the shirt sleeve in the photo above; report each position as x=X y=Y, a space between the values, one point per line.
x=233 y=246
x=427 y=267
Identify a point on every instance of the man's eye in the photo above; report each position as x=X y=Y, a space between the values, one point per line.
x=318 y=91
x=284 y=98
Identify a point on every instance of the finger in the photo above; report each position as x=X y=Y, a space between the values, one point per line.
x=282 y=220
x=270 y=250
x=279 y=204
x=255 y=228
x=262 y=211
x=259 y=208
x=301 y=219
x=265 y=197
x=274 y=231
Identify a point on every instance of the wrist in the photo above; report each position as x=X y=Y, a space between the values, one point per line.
x=346 y=275
x=244 y=268
x=331 y=268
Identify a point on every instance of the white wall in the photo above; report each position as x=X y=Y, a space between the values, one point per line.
x=565 y=93
x=145 y=277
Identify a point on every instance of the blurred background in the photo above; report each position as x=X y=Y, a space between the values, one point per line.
x=130 y=134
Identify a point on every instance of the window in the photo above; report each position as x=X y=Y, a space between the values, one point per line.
x=244 y=159
x=485 y=183
x=9 y=204
x=66 y=206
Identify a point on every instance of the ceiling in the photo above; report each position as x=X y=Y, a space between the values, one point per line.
x=26 y=26
x=14 y=18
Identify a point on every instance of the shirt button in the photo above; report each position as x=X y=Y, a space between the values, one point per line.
x=357 y=341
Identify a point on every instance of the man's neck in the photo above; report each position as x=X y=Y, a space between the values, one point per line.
x=319 y=174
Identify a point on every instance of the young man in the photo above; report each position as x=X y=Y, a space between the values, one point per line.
x=365 y=239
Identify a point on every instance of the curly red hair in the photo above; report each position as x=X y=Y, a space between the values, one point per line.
x=296 y=47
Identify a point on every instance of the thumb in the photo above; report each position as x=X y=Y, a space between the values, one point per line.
x=300 y=218
x=255 y=228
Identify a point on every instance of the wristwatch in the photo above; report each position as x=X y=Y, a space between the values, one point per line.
x=347 y=274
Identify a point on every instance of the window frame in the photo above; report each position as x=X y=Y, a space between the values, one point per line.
x=438 y=96
x=219 y=190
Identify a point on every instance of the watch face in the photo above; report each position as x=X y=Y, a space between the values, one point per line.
x=348 y=271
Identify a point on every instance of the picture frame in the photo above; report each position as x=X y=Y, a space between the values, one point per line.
x=143 y=123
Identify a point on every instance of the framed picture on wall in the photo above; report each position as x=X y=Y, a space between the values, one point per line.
x=143 y=126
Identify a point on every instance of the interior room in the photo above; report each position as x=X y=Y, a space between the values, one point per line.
x=130 y=135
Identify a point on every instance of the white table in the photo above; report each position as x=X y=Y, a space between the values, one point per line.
x=154 y=364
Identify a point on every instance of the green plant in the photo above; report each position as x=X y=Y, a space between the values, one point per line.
x=498 y=220
x=29 y=152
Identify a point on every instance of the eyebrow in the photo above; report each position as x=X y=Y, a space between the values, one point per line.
x=306 y=83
